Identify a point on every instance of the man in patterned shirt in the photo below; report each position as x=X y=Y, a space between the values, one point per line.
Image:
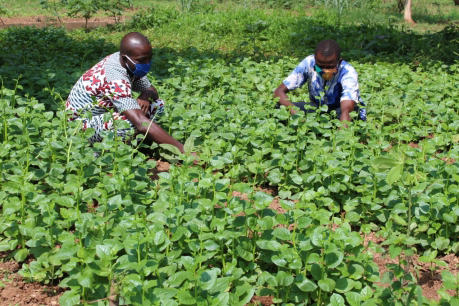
x=109 y=85
x=326 y=73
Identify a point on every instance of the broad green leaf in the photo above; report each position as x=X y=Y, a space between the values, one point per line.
x=394 y=174
x=244 y=254
x=188 y=147
x=366 y=293
x=327 y=284
x=316 y=271
x=399 y=220
x=21 y=255
x=279 y=260
x=394 y=251
x=336 y=300
x=307 y=285
x=170 y=148
x=333 y=259
x=69 y=298
x=282 y=233
x=353 y=298
x=179 y=277
x=441 y=243
x=344 y=285
x=103 y=251
x=86 y=279
x=185 y=298
x=284 y=279
x=65 y=201
x=385 y=162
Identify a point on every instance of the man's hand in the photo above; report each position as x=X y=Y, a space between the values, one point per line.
x=145 y=105
x=145 y=98
x=347 y=106
x=281 y=93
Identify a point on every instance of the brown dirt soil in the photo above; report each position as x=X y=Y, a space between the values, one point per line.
x=69 y=23
x=271 y=191
x=429 y=282
x=161 y=166
x=15 y=291
x=262 y=300
x=448 y=160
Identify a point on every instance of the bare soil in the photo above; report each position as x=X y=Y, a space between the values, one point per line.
x=262 y=300
x=69 y=23
x=430 y=282
x=161 y=166
x=14 y=290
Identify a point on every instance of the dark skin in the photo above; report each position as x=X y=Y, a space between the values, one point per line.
x=142 y=53
x=323 y=62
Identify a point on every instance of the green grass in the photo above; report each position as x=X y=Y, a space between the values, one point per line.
x=430 y=15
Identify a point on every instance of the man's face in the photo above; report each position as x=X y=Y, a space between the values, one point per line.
x=326 y=62
x=326 y=67
x=140 y=55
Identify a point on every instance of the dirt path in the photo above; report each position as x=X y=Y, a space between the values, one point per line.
x=69 y=23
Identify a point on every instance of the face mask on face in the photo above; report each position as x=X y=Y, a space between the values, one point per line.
x=140 y=69
x=326 y=74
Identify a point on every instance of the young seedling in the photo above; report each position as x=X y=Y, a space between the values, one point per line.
x=430 y=257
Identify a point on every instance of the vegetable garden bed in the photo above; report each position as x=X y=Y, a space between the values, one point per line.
x=280 y=209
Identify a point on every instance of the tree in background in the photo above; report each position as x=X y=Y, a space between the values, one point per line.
x=406 y=6
x=116 y=8
x=53 y=6
x=3 y=11
x=84 y=8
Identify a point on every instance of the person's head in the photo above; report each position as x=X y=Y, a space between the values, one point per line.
x=328 y=57
x=136 y=53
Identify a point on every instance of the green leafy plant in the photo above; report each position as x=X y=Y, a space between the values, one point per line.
x=116 y=8
x=431 y=258
x=54 y=6
x=279 y=205
x=3 y=11
x=84 y=8
x=450 y=282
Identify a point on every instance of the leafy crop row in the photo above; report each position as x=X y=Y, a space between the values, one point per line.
x=102 y=227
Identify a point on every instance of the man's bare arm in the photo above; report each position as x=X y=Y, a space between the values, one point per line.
x=153 y=131
x=347 y=106
x=281 y=93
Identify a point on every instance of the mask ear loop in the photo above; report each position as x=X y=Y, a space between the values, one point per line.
x=127 y=66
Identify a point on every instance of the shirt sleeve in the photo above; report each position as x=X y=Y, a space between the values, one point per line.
x=350 y=83
x=141 y=84
x=120 y=94
x=299 y=75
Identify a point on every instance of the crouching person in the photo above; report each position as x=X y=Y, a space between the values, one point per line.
x=328 y=74
x=110 y=84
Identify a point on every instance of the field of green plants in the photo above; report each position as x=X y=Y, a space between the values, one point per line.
x=207 y=234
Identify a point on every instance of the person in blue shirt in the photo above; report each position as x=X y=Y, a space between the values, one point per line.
x=331 y=81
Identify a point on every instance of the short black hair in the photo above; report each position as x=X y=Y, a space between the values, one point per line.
x=328 y=48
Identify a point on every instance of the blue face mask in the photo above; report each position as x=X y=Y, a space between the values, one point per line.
x=140 y=69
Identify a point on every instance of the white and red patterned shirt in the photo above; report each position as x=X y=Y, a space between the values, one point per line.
x=104 y=86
